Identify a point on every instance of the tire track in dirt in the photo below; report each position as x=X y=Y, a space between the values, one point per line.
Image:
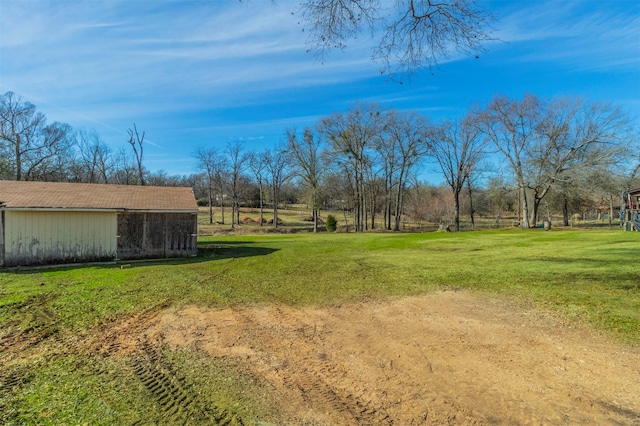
x=323 y=381
x=129 y=339
x=394 y=363
x=446 y=358
x=42 y=325
x=21 y=342
x=301 y=357
x=121 y=337
x=13 y=379
x=171 y=392
x=290 y=354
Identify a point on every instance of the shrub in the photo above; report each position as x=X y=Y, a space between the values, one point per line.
x=331 y=223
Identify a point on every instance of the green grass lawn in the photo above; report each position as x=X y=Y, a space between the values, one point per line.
x=591 y=276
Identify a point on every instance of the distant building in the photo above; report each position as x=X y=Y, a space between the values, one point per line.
x=53 y=222
x=630 y=212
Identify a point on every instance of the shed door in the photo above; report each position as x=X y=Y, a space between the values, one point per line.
x=180 y=234
x=141 y=235
x=156 y=235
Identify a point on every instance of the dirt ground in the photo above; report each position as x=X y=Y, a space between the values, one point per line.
x=445 y=358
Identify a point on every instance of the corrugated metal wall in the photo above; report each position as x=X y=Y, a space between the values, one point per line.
x=33 y=237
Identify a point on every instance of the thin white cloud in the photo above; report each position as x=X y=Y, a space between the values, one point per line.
x=190 y=68
x=229 y=53
x=575 y=33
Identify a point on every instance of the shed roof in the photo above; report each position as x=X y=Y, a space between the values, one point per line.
x=64 y=195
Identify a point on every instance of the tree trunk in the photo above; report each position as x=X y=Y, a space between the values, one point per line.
x=18 y=159
x=358 y=200
x=398 y=212
x=222 y=208
x=456 y=213
x=373 y=219
x=210 y=208
x=372 y=208
x=362 y=202
x=314 y=213
x=387 y=206
x=525 y=209
x=261 y=203
x=565 y=212
x=275 y=208
x=471 y=211
x=388 y=215
x=519 y=206
x=610 y=210
x=536 y=208
x=346 y=221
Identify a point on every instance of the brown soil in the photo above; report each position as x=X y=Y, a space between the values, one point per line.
x=445 y=358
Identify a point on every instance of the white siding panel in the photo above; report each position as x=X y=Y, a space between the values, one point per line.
x=1 y=238
x=35 y=237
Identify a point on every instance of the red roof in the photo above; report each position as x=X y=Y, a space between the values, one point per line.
x=64 y=195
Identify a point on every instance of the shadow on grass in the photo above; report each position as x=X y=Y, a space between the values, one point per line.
x=207 y=252
x=620 y=256
x=206 y=244
x=213 y=250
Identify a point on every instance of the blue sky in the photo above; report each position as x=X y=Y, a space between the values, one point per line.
x=203 y=73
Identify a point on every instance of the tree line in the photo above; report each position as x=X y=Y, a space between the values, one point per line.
x=561 y=155
x=32 y=149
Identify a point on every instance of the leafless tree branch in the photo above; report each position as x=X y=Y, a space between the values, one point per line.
x=415 y=33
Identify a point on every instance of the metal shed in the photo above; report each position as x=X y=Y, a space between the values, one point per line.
x=55 y=222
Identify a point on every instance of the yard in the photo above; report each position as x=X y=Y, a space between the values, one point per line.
x=491 y=327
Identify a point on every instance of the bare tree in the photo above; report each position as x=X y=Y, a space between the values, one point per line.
x=404 y=146
x=20 y=124
x=430 y=203
x=338 y=186
x=389 y=156
x=604 y=187
x=309 y=165
x=415 y=33
x=352 y=137
x=634 y=172
x=136 y=141
x=510 y=125
x=277 y=167
x=236 y=165
x=374 y=187
x=32 y=150
x=472 y=187
x=572 y=135
x=546 y=143
x=95 y=157
x=417 y=203
x=258 y=165
x=501 y=196
x=47 y=153
x=208 y=163
x=457 y=147
x=220 y=181
x=125 y=171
